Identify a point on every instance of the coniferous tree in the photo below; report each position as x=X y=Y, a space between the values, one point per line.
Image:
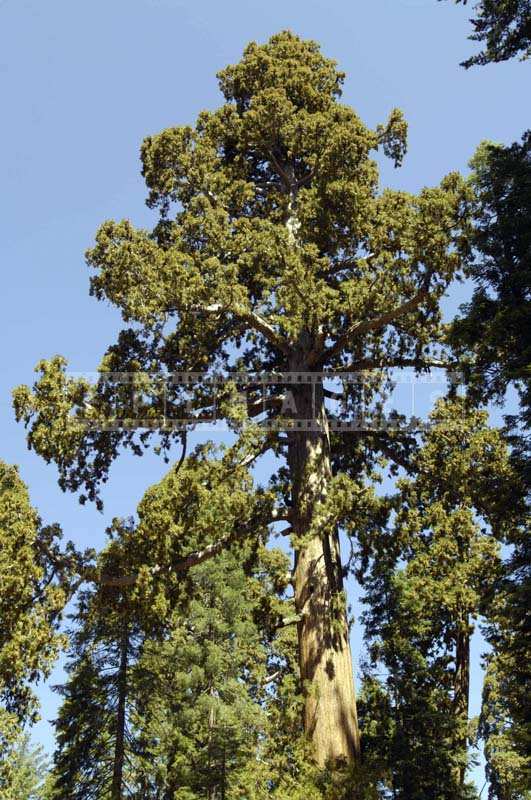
x=504 y=27
x=506 y=741
x=492 y=337
x=36 y=581
x=174 y=677
x=220 y=708
x=276 y=251
x=92 y=733
x=32 y=595
x=494 y=334
x=506 y=714
x=203 y=692
x=431 y=578
x=22 y=766
x=95 y=731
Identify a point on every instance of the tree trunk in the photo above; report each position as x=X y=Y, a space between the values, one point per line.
x=119 y=746
x=462 y=685
x=325 y=659
x=213 y=767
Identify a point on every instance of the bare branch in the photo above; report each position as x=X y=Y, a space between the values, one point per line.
x=264 y=404
x=281 y=514
x=261 y=325
x=290 y=620
x=285 y=531
x=271 y=678
x=184 y=439
x=390 y=453
x=333 y=395
x=257 y=322
x=249 y=458
x=288 y=183
x=384 y=444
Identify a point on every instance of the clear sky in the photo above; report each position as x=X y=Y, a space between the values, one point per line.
x=83 y=82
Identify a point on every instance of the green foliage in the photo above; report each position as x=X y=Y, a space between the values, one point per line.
x=36 y=582
x=504 y=721
x=212 y=698
x=22 y=766
x=506 y=741
x=201 y=690
x=494 y=332
x=205 y=500
x=274 y=250
x=34 y=591
x=88 y=726
x=504 y=27
x=431 y=578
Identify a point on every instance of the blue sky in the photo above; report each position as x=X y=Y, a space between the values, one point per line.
x=83 y=82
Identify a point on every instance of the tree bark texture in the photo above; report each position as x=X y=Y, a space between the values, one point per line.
x=325 y=659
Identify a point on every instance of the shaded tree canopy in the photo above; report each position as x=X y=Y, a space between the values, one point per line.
x=429 y=580
x=492 y=336
x=503 y=27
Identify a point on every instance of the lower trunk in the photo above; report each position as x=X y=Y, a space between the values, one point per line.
x=462 y=688
x=119 y=746
x=324 y=654
x=324 y=650
x=213 y=766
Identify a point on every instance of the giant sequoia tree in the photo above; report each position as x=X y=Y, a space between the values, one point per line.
x=274 y=252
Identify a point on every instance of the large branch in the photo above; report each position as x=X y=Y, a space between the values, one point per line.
x=255 y=408
x=186 y=563
x=390 y=363
x=392 y=454
x=282 y=172
x=384 y=444
x=358 y=329
x=261 y=325
x=194 y=558
x=255 y=321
